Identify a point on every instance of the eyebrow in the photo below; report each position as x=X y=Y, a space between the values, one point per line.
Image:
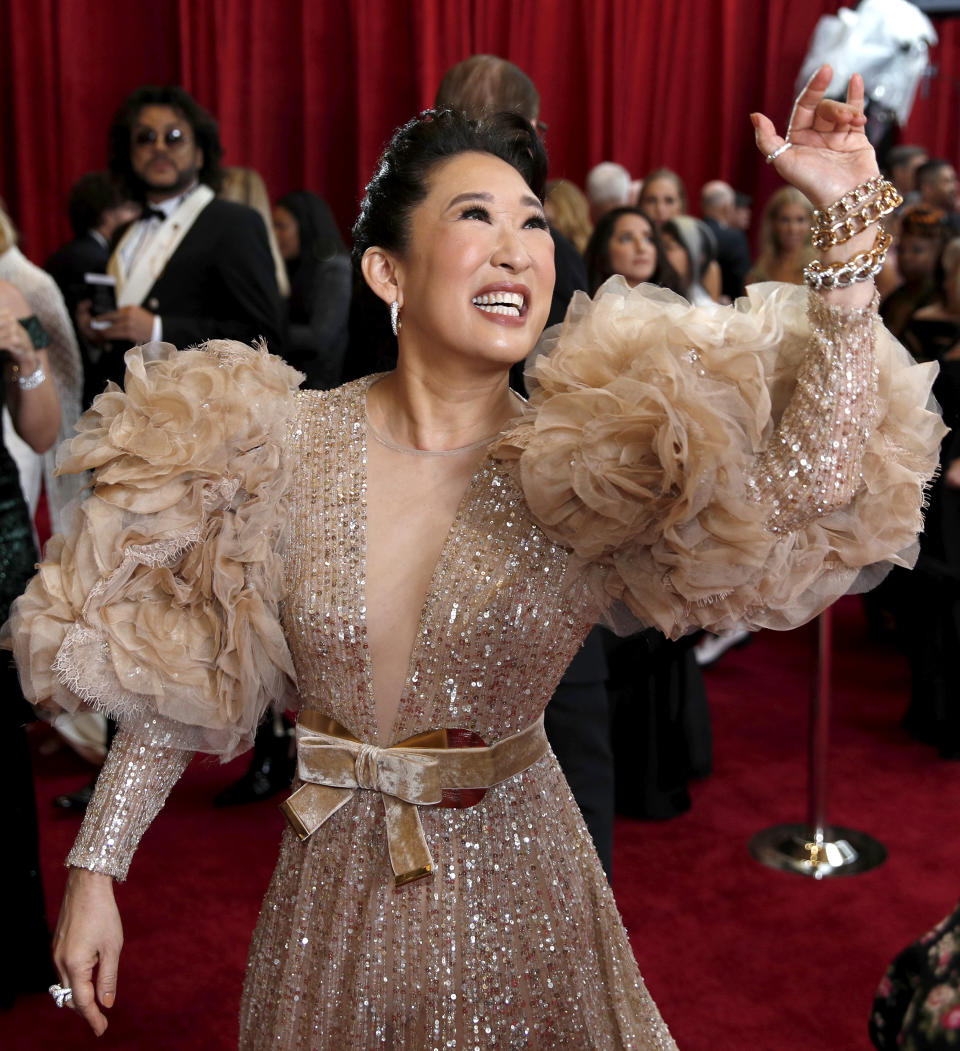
x=461 y=198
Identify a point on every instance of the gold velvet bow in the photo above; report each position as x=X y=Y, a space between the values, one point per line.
x=334 y=765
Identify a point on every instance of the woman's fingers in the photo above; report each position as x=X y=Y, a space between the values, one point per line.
x=856 y=92
x=813 y=111
x=79 y=978
x=765 y=133
x=804 y=109
x=107 y=976
x=834 y=116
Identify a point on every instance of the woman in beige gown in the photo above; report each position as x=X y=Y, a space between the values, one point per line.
x=378 y=556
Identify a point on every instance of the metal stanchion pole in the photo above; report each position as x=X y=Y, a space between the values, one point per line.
x=816 y=849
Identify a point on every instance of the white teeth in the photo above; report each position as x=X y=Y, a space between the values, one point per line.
x=499 y=308
x=513 y=301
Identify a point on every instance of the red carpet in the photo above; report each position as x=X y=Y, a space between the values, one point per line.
x=737 y=956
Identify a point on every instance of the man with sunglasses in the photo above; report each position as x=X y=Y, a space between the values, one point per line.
x=193 y=267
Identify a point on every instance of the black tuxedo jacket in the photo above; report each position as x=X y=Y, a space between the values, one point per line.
x=733 y=255
x=83 y=255
x=220 y=282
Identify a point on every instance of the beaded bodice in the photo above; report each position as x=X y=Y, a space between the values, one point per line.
x=499 y=624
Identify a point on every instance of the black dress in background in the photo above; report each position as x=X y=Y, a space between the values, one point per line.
x=662 y=736
x=320 y=292
x=25 y=966
x=927 y=599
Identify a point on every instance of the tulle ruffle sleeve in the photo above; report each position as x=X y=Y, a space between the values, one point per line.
x=672 y=449
x=160 y=602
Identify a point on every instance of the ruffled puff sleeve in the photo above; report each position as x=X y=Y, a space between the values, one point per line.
x=713 y=466
x=159 y=605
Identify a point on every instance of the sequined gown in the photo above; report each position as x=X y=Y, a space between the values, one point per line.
x=515 y=940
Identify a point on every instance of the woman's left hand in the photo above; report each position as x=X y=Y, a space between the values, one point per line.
x=830 y=152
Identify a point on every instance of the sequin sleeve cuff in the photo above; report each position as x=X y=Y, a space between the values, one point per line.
x=814 y=462
x=134 y=782
x=717 y=466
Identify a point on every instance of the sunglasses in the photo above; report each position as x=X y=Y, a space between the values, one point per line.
x=148 y=137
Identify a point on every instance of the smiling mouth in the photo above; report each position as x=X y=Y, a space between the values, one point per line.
x=507 y=304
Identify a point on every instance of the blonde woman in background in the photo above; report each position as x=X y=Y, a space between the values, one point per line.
x=246 y=186
x=785 y=247
x=568 y=209
x=45 y=301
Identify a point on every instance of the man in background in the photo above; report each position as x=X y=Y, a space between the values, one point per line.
x=938 y=188
x=902 y=164
x=97 y=209
x=193 y=267
x=718 y=202
x=609 y=186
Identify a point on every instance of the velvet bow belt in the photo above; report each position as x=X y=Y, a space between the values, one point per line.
x=441 y=768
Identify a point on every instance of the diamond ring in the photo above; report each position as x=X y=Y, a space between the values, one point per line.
x=61 y=994
x=771 y=157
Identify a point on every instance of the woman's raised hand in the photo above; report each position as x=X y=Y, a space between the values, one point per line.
x=86 y=945
x=829 y=151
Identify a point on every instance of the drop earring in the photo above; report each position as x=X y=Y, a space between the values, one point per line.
x=395 y=321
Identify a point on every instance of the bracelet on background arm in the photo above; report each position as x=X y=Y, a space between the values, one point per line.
x=29 y=381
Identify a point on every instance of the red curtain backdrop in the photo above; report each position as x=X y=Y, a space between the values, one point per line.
x=307 y=92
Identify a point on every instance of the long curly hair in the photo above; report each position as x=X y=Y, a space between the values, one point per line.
x=205 y=133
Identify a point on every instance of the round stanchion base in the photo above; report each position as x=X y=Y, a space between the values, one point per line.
x=820 y=854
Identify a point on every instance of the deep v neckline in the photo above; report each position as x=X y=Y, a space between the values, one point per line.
x=426 y=607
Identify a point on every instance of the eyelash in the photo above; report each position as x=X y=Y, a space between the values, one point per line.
x=476 y=211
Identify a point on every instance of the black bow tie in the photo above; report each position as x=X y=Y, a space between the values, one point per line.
x=153 y=213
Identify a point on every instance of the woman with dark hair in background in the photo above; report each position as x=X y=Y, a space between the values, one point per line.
x=625 y=241
x=923 y=235
x=691 y=248
x=433 y=551
x=318 y=266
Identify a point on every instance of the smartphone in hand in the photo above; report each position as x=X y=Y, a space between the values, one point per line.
x=102 y=292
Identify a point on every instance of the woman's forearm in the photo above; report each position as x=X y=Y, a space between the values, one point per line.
x=35 y=410
x=133 y=785
x=812 y=464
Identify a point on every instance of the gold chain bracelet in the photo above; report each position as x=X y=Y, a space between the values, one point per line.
x=857 y=209
x=861 y=267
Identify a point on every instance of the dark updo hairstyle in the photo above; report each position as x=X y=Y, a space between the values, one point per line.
x=204 y=127
x=401 y=179
x=597 y=253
